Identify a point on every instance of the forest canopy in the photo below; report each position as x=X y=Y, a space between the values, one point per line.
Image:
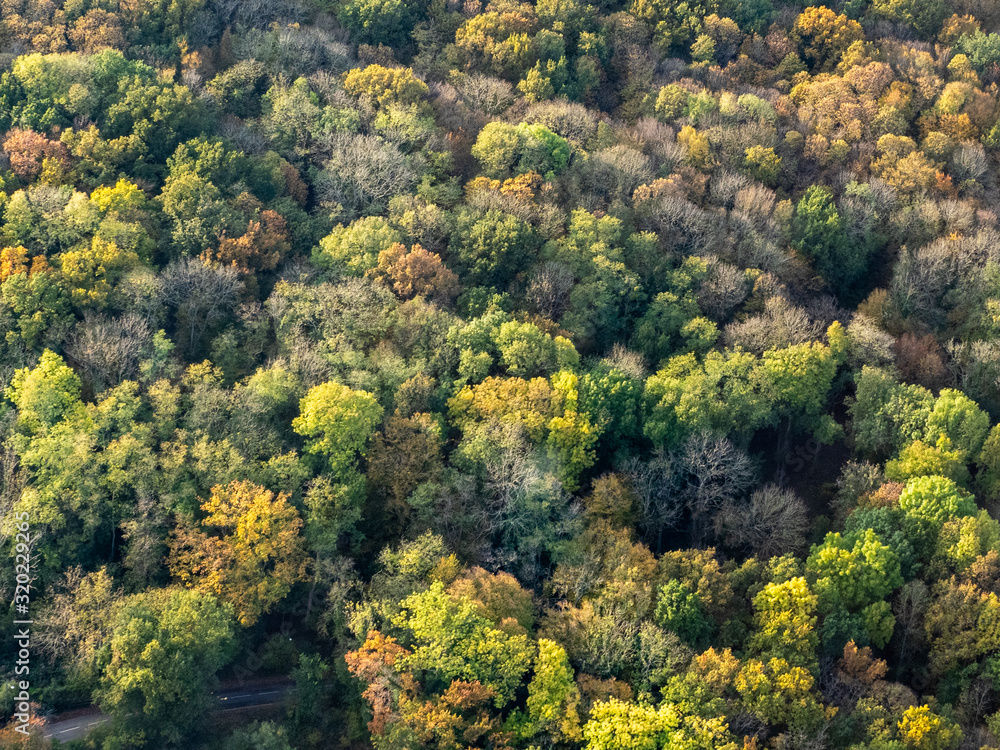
x=610 y=375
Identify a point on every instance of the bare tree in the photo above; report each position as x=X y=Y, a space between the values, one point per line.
x=491 y=96
x=655 y=483
x=724 y=289
x=362 y=174
x=627 y=361
x=571 y=120
x=773 y=522
x=509 y=470
x=549 y=288
x=781 y=324
x=713 y=472
x=108 y=351
x=202 y=294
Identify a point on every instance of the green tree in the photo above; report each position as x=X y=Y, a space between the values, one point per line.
x=453 y=641
x=818 y=231
x=959 y=419
x=983 y=50
x=887 y=415
x=674 y=25
x=553 y=697
x=337 y=422
x=45 y=394
x=493 y=246
x=161 y=662
x=852 y=571
x=265 y=735
x=726 y=393
x=929 y=502
x=375 y=22
x=679 y=610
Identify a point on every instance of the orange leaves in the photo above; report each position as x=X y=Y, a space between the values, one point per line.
x=457 y=718
x=417 y=273
x=29 y=151
x=858 y=664
x=374 y=663
x=261 y=248
x=375 y=657
x=257 y=557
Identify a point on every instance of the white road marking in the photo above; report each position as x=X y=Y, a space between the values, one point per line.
x=248 y=695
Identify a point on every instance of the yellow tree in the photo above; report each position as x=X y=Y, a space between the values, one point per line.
x=257 y=556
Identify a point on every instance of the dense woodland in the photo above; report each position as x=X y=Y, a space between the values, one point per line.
x=613 y=376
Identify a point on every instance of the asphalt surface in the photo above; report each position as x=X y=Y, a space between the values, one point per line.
x=235 y=699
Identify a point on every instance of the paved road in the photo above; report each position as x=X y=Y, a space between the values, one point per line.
x=235 y=699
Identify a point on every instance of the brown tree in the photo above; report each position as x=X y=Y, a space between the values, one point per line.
x=415 y=273
x=29 y=150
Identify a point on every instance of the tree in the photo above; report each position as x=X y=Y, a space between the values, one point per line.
x=453 y=641
x=674 y=25
x=77 y=622
x=722 y=394
x=338 y=422
x=785 y=620
x=356 y=248
x=959 y=419
x=416 y=272
x=553 y=697
x=780 y=694
x=262 y=247
x=492 y=246
x=362 y=174
x=929 y=502
x=263 y=735
x=31 y=152
x=919 y=460
x=983 y=50
x=852 y=571
x=679 y=610
x=380 y=21
x=888 y=415
x=240 y=89
x=92 y=272
x=257 y=557
x=35 y=303
x=773 y=522
x=161 y=662
x=763 y=164
x=616 y=724
x=818 y=231
x=824 y=36
x=922 y=729
x=202 y=295
x=385 y=85
x=504 y=150
x=925 y=17
x=308 y=675
x=45 y=394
